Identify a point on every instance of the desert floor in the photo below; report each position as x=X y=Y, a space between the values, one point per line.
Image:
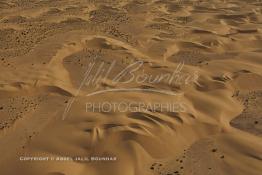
x=48 y=46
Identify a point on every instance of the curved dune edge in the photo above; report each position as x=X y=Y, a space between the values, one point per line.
x=46 y=48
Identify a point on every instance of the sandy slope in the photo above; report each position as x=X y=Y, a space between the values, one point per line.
x=46 y=48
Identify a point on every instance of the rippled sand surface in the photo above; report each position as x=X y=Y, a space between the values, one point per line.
x=48 y=46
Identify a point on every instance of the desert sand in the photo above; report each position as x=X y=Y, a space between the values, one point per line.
x=48 y=46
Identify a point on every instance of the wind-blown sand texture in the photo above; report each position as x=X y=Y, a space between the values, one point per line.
x=47 y=45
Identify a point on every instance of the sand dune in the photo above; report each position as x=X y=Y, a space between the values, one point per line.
x=58 y=57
